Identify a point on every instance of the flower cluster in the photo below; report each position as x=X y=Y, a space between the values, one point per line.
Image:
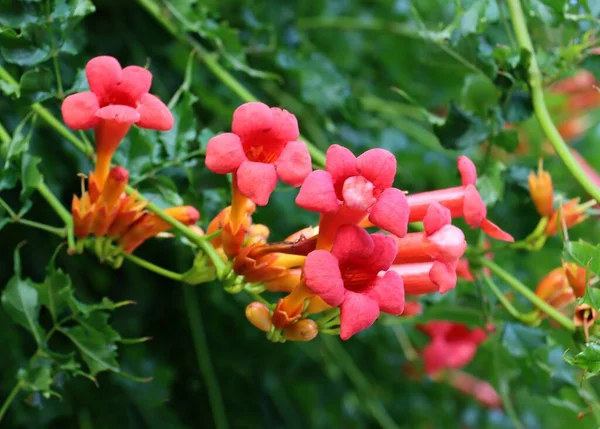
x=336 y=268
x=118 y=98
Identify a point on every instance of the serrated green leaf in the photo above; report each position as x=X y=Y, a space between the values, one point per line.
x=37 y=377
x=588 y=359
x=56 y=292
x=461 y=129
x=37 y=84
x=21 y=302
x=583 y=254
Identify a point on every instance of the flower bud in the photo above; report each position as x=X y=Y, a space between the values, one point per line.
x=303 y=330
x=258 y=314
x=572 y=213
x=577 y=277
x=541 y=190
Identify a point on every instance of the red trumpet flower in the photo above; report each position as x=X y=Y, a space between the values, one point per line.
x=350 y=277
x=117 y=99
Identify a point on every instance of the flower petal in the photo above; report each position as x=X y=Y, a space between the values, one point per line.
x=443 y=275
x=154 y=114
x=257 y=181
x=79 y=110
x=494 y=231
x=118 y=113
x=468 y=172
x=285 y=125
x=434 y=356
x=384 y=252
x=103 y=74
x=252 y=118
x=224 y=153
x=135 y=81
x=391 y=212
x=294 y=163
x=389 y=293
x=323 y=277
x=436 y=217
x=317 y=193
x=341 y=164
x=352 y=244
x=473 y=207
x=378 y=166
x=449 y=243
x=358 y=312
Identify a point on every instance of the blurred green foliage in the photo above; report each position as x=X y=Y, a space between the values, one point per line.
x=427 y=80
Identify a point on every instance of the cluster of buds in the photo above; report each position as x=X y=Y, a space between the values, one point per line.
x=336 y=268
x=562 y=287
x=565 y=215
x=118 y=98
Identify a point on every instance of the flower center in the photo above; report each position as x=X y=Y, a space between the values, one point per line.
x=358 y=193
x=357 y=278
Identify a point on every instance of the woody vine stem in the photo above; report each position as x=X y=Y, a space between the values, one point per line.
x=539 y=103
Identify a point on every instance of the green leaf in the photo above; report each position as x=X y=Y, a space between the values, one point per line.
x=461 y=129
x=37 y=377
x=583 y=254
x=588 y=359
x=56 y=292
x=177 y=141
x=95 y=340
x=452 y=313
x=21 y=302
x=135 y=153
x=37 y=84
x=478 y=94
x=521 y=341
x=507 y=140
x=30 y=175
x=491 y=184
x=162 y=191
x=9 y=177
x=594 y=7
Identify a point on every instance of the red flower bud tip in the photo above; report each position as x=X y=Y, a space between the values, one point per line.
x=262 y=147
x=541 y=190
x=462 y=201
x=427 y=277
x=302 y=330
x=258 y=314
x=571 y=213
x=348 y=277
x=187 y=215
x=577 y=277
x=452 y=346
x=117 y=99
x=352 y=188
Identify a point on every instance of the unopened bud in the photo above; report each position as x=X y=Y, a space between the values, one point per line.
x=258 y=233
x=571 y=213
x=577 y=277
x=303 y=330
x=187 y=215
x=541 y=190
x=258 y=314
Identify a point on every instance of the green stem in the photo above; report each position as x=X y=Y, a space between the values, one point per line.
x=527 y=293
x=210 y=61
x=200 y=240
x=61 y=232
x=11 y=397
x=151 y=267
x=62 y=212
x=6 y=207
x=54 y=54
x=204 y=361
x=539 y=103
x=61 y=129
x=528 y=320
